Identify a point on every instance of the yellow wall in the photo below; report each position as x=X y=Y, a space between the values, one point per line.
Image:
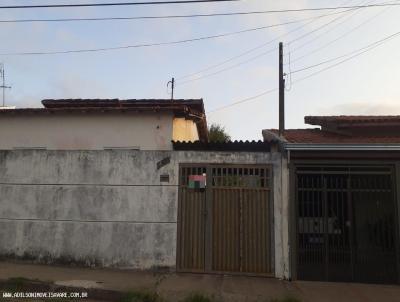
x=184 y=130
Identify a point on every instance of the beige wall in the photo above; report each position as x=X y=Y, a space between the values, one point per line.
x=184 y=130
x=145 y=131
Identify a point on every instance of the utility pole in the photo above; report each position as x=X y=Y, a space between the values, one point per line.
x=281 y=92
x=3 y=85
x=172 y=82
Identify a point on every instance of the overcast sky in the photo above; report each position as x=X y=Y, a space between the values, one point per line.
x=368 y=84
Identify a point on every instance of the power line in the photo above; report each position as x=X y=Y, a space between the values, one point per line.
x=229 y=68
x=317 y=29
x=257 y=56
x=199 y=72
x=364 y=50
x=340 y=37
x=268 y=51
x=244 y=100
x=313 y=19
x=110 y=4
x=138 y=17
x=346 y=18
x=139 y=45
x=264 y=53
x=189 y=16
x=360 y=51
x=148 y=44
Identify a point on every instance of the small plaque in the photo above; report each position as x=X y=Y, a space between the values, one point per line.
x=164 y=178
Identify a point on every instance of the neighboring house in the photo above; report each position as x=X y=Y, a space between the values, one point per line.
x=95 y=124
x=344 y=198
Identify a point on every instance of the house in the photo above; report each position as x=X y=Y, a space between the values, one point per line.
x=93 y=124
x=135 y=184
x=343 y=206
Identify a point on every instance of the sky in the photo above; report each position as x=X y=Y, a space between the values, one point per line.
x=365 y=85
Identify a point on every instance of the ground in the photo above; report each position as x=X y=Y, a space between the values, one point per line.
x=105 y=284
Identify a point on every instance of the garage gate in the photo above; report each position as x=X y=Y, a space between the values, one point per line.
x=346 y=225
x=225 y=219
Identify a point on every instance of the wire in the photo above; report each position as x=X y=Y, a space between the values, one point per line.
x=259 y=46
x=138 y=45
x=153 y=44
x=289 y=75
x=139 y=17
x=228 y=68
x=110 y=4
x=253 y=49
x=315 y=30
x=198 y=1
x=369 y=48
x=264 y=53
x=244 y=100
x=361 y=50
x=340 y=37
x=347 y=18
x=254 y=57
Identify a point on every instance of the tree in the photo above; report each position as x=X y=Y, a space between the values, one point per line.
x=217 y=133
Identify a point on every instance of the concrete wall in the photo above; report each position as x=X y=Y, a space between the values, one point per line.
x=108 y=207
x=281 y=216
x=79 y=131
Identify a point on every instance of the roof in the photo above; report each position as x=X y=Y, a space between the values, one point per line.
x=249 y=146
x=318 y=136
x=352 y=120
x=342 y=129
x=189 y=108
x=193 y=104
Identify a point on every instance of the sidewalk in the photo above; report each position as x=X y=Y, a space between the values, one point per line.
x=174 y=287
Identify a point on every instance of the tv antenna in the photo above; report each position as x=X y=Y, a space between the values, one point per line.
x=3 y=83
x=172 y=83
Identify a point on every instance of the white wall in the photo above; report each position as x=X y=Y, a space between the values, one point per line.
x=79 y=131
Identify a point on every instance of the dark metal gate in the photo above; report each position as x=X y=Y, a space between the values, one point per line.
x=346 y=227
x=226 y=226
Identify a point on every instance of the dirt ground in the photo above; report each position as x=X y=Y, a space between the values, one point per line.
x=175 y=287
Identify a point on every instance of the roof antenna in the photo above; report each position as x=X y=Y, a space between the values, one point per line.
x=172 y=82
x=3 y=83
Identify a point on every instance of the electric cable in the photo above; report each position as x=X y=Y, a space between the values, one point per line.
x=366 y=49
x=110 y=4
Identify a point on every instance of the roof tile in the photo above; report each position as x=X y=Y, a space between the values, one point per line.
x=317 y=136
x=352 y=119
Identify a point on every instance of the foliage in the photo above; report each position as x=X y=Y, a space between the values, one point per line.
x=217 y=133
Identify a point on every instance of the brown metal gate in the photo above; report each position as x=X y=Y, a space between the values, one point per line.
x=346 y=228
x=227 y=226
